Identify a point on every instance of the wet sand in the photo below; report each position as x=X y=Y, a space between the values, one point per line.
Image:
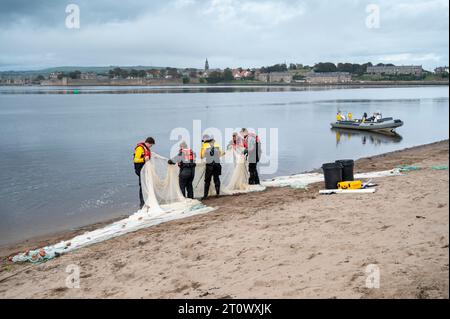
x=281 y=243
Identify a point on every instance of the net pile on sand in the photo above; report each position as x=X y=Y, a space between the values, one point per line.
x=163 y=202
x=303 y=180
x=160 y=180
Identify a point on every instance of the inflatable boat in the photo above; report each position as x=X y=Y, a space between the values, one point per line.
x=387 y=124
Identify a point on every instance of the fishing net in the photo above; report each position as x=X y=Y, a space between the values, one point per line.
x=160 y=180
x=408 y=168
x=439 y=167
x=303 y=180
x=163 y=202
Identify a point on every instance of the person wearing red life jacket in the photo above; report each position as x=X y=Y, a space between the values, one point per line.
x=142 y=154
x=186 y=161
x=236 y=142
x=252 y=146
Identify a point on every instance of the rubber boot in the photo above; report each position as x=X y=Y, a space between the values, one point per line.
x=217 y=191
x=205 y=194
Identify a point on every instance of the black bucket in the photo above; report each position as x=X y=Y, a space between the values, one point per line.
x=333 y=174
x=347 y=169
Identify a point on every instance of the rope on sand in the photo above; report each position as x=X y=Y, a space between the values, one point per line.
x=16 y=273
x=408 y=168
x=439 y=168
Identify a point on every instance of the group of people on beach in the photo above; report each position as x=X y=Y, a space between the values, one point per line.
x=211 y=153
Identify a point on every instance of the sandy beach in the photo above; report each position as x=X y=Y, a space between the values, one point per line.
x=280 y=243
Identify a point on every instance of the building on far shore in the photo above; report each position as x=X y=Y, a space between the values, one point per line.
x=88 y=76
x=328 y=77
x=395 y=70
x=274 y=77
x=441 y=70
x=15 y=81
x=55 y=75
x=52 y=81
x=239 y=74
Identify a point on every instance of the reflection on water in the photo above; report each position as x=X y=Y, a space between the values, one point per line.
x=154 y=89
x=374 y=138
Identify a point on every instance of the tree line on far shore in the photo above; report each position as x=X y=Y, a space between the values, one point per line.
x=352 y=68
x=322 y=67
x=217 y=76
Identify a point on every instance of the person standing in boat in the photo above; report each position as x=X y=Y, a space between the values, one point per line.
x=350 y=116
x=364 y=118
x=142 y=154
x=378 y=117
x=340 y=116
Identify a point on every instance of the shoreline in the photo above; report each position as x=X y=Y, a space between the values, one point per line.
x=362 y=84
x=279 y=243
x=54 y=237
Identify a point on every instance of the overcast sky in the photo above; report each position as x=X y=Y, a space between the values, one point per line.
x=230 y=33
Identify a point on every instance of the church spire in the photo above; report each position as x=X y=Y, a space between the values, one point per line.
x=206 y=65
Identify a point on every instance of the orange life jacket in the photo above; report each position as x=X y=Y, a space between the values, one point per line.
x=252 y=135
x=237 y=142
x=186 y=158
x=147 y=152
x=187 y=155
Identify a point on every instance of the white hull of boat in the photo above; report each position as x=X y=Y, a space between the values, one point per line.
x=386 y=125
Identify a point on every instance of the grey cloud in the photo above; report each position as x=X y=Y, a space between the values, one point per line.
x=52 y=12
x=229 y=32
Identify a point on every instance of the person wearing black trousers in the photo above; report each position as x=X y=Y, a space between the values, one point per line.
x=186 y=161
x=252 y=150
x=142 y=154
x=211 y=152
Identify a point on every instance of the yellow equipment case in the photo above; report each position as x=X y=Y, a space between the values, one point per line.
x=350 y=185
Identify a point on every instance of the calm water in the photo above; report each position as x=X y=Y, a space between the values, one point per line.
x=65 y=159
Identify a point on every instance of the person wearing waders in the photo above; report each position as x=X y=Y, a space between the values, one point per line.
x=211 y=152
x=252 y=150
x=186 y=161
x=142 y=154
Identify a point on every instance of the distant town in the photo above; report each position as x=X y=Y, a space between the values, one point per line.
x=320 y=74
